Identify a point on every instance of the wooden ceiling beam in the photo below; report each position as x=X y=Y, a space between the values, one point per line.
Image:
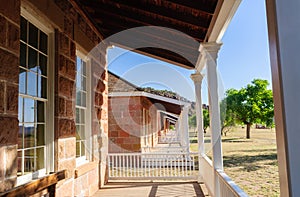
x=181 y=15
x=203 y=5
x=143 y=17
x=107 y=18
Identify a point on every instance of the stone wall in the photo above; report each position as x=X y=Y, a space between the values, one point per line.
x=72 y=31
x=126 y=123
x=9 y=72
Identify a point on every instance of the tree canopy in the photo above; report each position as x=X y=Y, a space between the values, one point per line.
x=249 y=105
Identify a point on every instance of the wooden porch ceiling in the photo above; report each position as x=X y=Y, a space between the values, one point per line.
x=192 y=17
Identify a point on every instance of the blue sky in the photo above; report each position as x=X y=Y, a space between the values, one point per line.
x=243 y=57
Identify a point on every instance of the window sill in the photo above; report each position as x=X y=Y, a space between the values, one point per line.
x=84 y=168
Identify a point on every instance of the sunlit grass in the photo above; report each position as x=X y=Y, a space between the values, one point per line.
x=251 y=163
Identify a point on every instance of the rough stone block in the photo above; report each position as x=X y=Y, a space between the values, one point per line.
x=2 y=94
x=9 y=67
x=66 y=127
x=70 y=148
x=66 y=87
x=13 y=37
x=7 y=184
x=3 y=30
x=69 y=166
x=64 y=44
x=9 y=130
x=11 y=161
x=70 y=108
x=100 y=86
x=61 y=149
x=71 y=69
x=61 y=107
x=12 y=92
x=11 y=9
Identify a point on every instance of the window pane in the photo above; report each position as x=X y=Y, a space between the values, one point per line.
x=23 y=29
x=28 y=110
x=29 y=137
x=22 y=81
x=77 y=148
x=23 y=54
x=83 y=99
x=78 y=97
x=82 y=132
x=82 y=148
x=29 y=160
x=20 y=136
x=42 y=87
x=31 y=83
x=19 y=163
x=42 y=65
x=82 y=116
x=77 y=115
x=20 y=109
x=40 y=111
x=77 y=132
x=83 y=68
x=83 y=79
x=78 y=64
x=33 y=35
x=32 y=59
x=43 y=42
x=40 y=135
x=40 y=158
x=78 y=81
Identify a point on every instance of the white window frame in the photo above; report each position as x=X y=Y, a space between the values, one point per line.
x=44 y=26
x=88 y=111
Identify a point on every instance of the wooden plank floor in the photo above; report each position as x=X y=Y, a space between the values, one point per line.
x=152 y=189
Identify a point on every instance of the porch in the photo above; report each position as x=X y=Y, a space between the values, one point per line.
x=151 y=189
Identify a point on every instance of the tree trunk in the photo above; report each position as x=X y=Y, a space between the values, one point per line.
x=248 y=130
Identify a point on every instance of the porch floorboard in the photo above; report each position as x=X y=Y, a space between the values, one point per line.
x=151 y=189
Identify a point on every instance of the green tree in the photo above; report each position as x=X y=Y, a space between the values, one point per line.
x=227 y=118
x=205 y=119
x=252 y=104
x=193 y=120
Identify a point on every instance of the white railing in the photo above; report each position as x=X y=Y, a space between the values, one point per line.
x=207 y=173
x=152 y=166
x=227 y=187
x=170 y=137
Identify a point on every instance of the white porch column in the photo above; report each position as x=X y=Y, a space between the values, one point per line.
x=197 y=78
x=283 y=25
x=185 y=127
x=210 y=51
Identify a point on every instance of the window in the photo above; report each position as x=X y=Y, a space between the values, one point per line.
x=33 y=78
x=35 y=137
x=82 y=106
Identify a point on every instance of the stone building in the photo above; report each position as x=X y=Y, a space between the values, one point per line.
x=138 y=119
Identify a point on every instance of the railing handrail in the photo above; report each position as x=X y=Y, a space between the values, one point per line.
x=147 y=153
x=231 y=184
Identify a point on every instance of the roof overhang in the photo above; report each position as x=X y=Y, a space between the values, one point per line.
x=178 y=26
x=165 y=104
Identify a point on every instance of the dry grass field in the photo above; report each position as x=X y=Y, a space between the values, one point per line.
x=251 y=163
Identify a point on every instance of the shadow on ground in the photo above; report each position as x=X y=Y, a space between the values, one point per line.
x=248 y=162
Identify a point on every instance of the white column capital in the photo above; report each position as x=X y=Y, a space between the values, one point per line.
x=197 y=77
x=210 y=49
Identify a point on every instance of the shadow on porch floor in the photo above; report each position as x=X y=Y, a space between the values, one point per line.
x=151 y=189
